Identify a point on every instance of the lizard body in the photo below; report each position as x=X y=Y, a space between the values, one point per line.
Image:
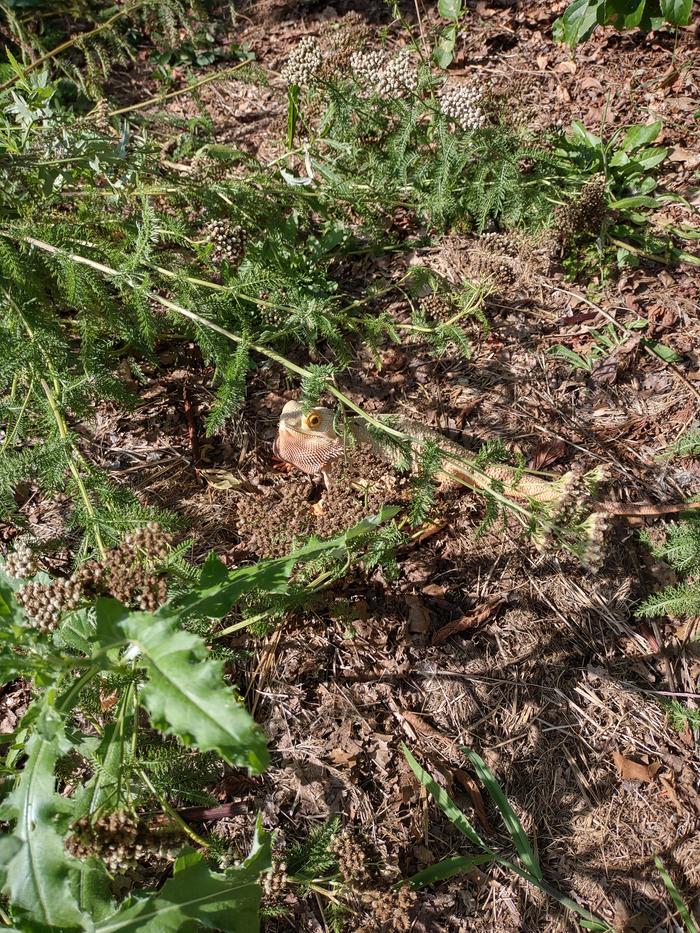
x=311 y=443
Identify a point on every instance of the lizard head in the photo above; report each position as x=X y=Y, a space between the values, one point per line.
x=306 y=440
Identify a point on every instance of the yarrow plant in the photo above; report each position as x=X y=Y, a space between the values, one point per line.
x=462 y=104
x=383 y=75
x=304 y=62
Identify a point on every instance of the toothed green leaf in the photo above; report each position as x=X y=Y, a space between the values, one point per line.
x=185 y=693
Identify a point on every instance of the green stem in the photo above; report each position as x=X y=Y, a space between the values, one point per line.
x=10 y=436
x=87 y=501
x=69 y=43
x=69 y=698
x=173 y=814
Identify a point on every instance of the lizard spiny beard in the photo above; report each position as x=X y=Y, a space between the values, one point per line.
x=309 y=453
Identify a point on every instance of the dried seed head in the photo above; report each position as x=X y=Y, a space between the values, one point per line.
x=391 y=909
x=271 y=524
x=437 y=307
x=596 y=528
x=45 y=603
x=583 y=215
x=351 y=855
x=100 y=116
x=228 y=240
x=121 y=841
x=505 y=244
x=274 y=882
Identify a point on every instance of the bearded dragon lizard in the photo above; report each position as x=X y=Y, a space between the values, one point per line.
x=310 y=442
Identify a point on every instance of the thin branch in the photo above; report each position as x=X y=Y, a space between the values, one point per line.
x=159 y=98
x=69 y=43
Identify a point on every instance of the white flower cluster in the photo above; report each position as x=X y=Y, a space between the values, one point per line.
x=386 y=77
x=303 y=63
x=368 y=66
x=461 y=104
x=21 y=563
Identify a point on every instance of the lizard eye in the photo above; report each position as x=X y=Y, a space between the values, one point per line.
x=313 y=420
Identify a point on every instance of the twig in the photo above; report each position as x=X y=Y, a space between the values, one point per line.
x=190 y=409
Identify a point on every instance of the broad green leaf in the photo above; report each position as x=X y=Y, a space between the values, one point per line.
x=196 y=898
x=39 y=874
x=640 y=135
x=448 y=868
x=649 y=158
x=578 y=22
x=512 y=823
x=217 y=593
x=443 y=53
x=676 y=12
x=226 y=153
x=94 y=890
x=444 y=801
x=215 y=596
x=662 y=351
x=624 y=14
x=579 y=131
x=78 y=631
x=640 y=200
x=185 y=693
x=108 y=614
x=450 y=9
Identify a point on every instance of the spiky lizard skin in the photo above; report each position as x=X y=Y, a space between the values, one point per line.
x=515 y=483
x=311 y=443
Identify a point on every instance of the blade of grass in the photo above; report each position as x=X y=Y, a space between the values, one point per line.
x=444 y=801
x=588 y=920
x=447 y=868
x=683 y=912
x=511 y=821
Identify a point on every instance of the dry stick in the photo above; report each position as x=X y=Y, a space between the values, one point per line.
x=304 y=373
x=626 y=331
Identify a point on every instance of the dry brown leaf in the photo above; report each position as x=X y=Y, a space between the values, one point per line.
x=671 y=794
x=418 y=616
x=470 y=785
x=427 y=531
x=221 y=479
x=630 y=770
x=108 y=700
x=433 y=589
x=469 y=620
x=547 y=454
x=419 y=725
